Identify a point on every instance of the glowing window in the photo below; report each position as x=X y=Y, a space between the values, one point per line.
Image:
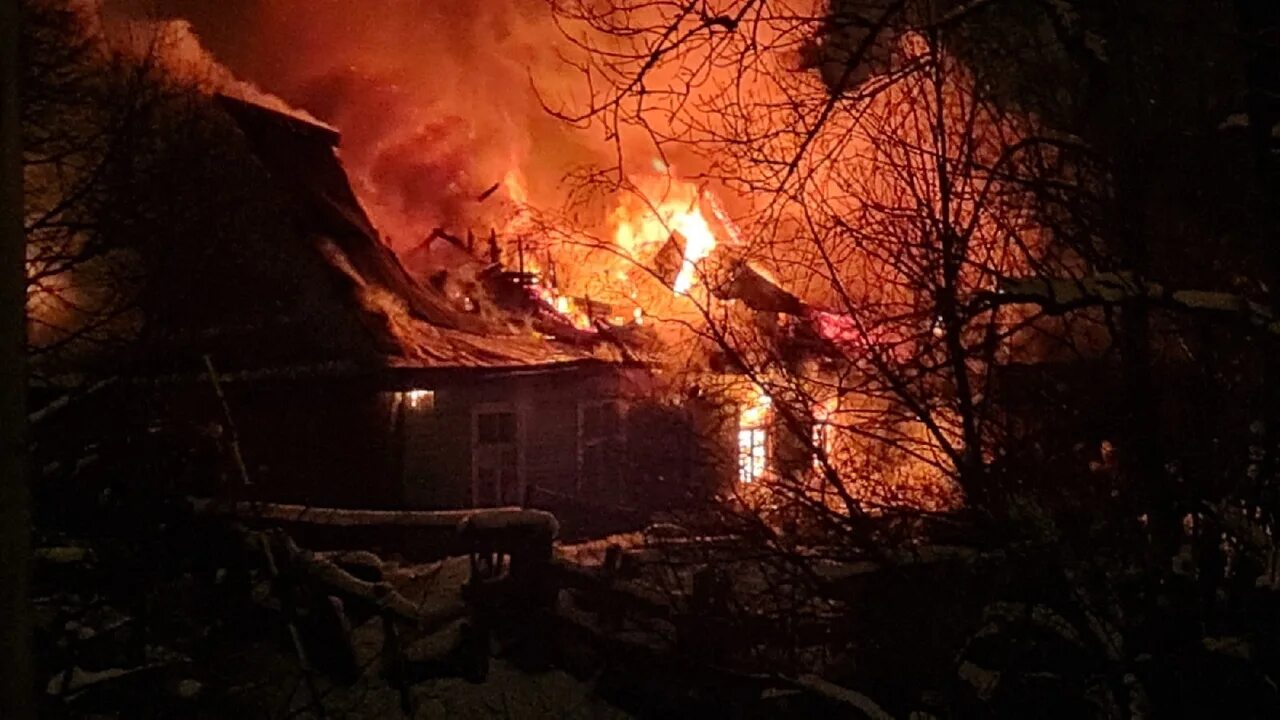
x=752 y=453
x=418 y=399
x=821 y=443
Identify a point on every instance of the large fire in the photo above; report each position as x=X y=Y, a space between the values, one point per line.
x=662 y=232
x=442 y=110
x=663 y=205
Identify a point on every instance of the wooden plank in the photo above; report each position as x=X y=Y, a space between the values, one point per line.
x=503 y=518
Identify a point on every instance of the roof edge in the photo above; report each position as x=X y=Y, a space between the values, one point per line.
x=312 y=130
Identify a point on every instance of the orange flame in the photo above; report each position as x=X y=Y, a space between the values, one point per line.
x=663 y=205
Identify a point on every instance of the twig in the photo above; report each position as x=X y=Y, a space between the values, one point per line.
x=233 y=437
x=289 y=611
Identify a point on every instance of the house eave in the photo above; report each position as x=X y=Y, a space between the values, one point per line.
x=390 y=377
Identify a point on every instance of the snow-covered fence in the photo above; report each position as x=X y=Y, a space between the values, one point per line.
x=418 y=534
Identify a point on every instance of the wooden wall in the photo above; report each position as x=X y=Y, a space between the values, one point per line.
x=359 y=442
x=438 y=441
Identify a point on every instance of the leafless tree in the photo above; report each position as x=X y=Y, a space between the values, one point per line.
x=896 y=169
x=137 y=188
x=867 y=174
x=87 y=115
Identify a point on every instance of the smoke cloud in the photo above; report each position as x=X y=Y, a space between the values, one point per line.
x=435 y=99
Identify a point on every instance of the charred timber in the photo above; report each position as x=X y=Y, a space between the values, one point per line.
x=758 y=292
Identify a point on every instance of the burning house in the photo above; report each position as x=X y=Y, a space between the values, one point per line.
x=329 y=376
x=324 y=372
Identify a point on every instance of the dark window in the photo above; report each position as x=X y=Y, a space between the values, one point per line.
x=601 y=449
x=496 y=427
x=600 y=420
x=496 y=459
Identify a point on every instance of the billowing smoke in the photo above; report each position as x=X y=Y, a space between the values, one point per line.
x=435 y=98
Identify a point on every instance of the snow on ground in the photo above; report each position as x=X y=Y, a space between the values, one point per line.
x=268 y=675
x=514 y=693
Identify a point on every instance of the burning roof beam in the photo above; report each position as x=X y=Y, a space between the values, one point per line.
x=759 y=292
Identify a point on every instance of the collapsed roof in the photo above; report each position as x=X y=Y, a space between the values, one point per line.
x=409 y=324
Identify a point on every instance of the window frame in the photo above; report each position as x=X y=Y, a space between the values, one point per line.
x=757 y=437
x=478 y=447
x=613 y=483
